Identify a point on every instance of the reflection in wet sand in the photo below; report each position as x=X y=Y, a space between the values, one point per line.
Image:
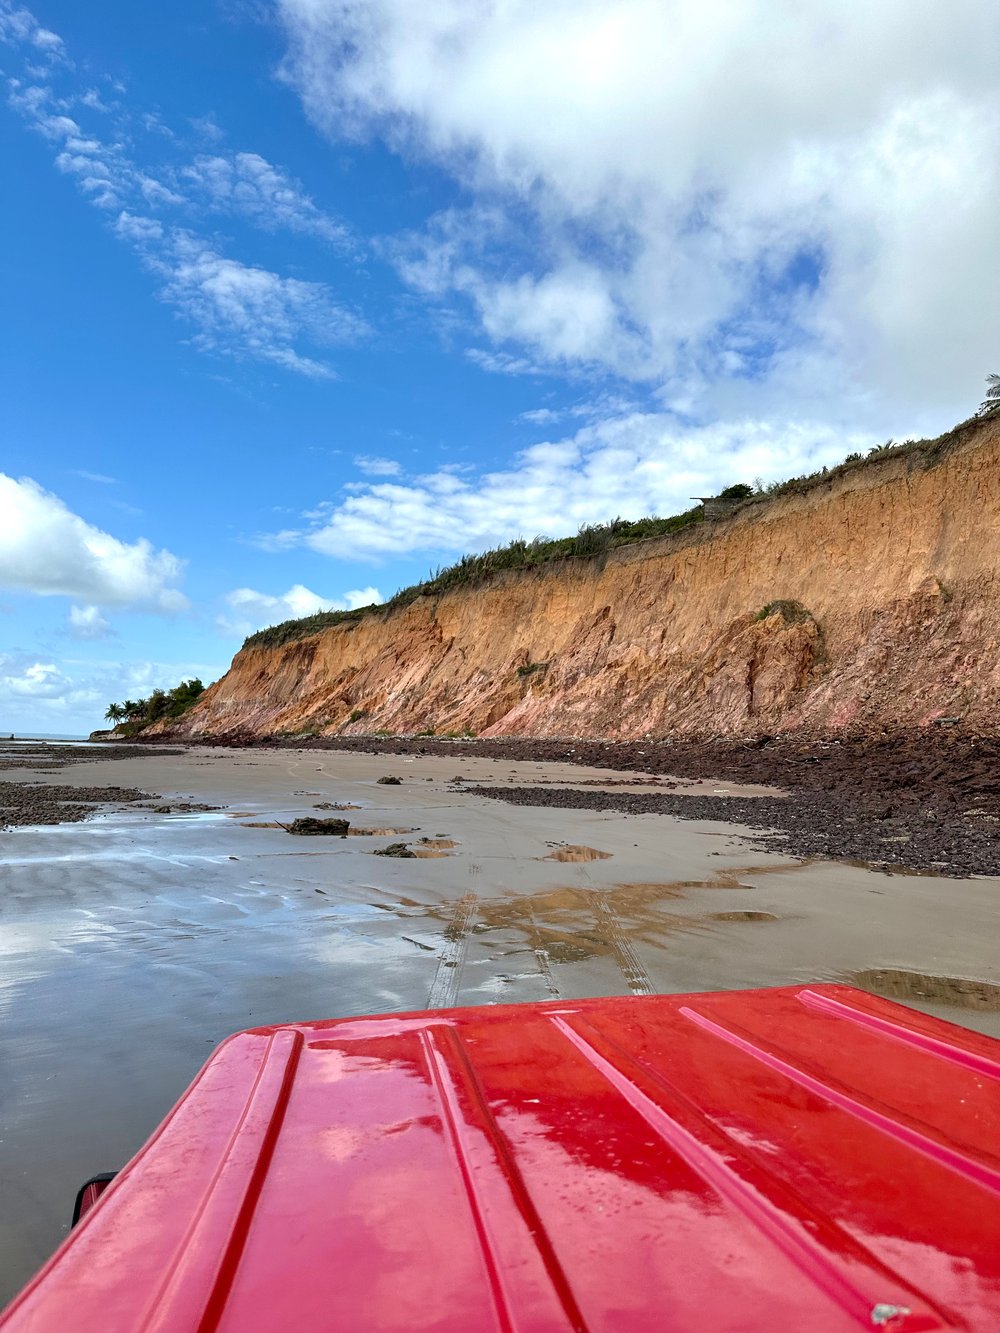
x=898 y=984
x=746 y=915
x=573 y=853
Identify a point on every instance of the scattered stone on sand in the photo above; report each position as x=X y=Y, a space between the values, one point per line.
x=441 y=842
x=27 y=803
x=399 y=849
x=390 y=781
x=334 y=828
x=335 y=805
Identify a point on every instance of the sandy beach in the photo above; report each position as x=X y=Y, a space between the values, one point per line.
x=135 y=940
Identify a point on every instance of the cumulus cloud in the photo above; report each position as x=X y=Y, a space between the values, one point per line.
x=86 y=622
x=34 y=680
x=629 y=466
x=694 y=195
x=47 y=549
x=249 y=610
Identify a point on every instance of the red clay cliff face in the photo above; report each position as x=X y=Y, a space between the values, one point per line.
x=870 y=600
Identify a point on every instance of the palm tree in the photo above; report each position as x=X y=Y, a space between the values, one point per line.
x=115 y=714
x=990 y=405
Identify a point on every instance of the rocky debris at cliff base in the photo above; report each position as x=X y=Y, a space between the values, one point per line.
x=810 y=826
x=26 y=803
x=937 y=768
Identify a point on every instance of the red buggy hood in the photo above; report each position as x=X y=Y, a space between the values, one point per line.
x=808 y=1159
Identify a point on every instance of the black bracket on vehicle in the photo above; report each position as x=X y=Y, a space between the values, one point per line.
x=98 y=1184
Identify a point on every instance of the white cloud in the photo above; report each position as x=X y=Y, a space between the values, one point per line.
x=502 y=363
x=71 y=696
x=237 y=309
x=47 y=549
x=795 y=202
x=18 y=26
x=540 y=416
x=39 y=680
x=98 y=477
x=249 y=185
x=86 y=622
x=250 y=610
x=628 y=466
x=248 y=311
x=377 y=467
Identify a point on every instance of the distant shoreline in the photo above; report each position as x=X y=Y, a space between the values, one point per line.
x=41 y=735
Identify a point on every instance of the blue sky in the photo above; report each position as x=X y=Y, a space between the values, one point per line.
x=304 y=298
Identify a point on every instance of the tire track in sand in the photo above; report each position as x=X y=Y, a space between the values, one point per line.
x=447 y=979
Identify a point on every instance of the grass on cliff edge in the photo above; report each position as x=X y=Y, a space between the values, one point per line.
x=594 y=540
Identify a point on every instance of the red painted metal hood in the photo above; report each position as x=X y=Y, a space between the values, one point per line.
x=808 y=1159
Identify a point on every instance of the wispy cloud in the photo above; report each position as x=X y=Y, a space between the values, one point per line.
x=19 y=27
x=235 y=308
x=249 y=186
x=97 y=477
x=377 y=467
x=238 y=309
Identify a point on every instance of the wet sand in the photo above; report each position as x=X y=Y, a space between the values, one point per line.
x=133 y=942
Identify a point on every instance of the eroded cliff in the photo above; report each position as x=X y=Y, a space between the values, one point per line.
x=871 y=599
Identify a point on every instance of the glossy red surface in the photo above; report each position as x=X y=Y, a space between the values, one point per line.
x=809 y=1159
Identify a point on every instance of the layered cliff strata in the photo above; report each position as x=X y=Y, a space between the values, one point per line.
x=869 y=599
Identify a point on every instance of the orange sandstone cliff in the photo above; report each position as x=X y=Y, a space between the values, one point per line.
x=869 y=599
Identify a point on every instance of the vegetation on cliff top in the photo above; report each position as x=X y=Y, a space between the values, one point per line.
x=596 y=539
x=134 y=715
